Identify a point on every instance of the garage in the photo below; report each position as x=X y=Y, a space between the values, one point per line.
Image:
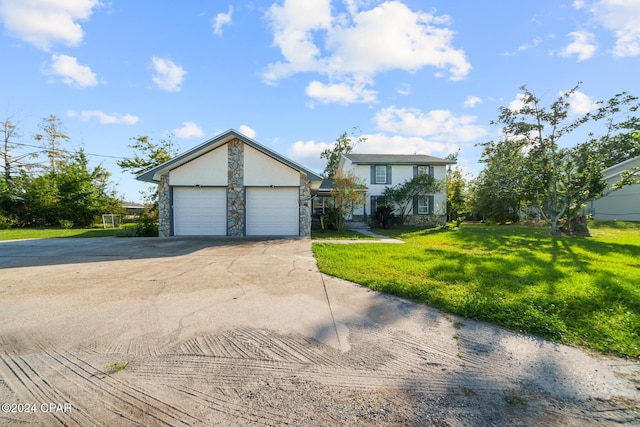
x=199 y=211
x=272 y=211
x=231 y=185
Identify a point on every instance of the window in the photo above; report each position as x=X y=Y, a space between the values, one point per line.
x=380 y=175
x=423 y=170
x=424 y=205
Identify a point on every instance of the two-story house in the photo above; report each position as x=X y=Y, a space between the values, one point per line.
x=378 y=171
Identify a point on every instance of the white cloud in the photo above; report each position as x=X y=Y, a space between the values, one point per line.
x=221 y=20
x=308 y=153
x=396 y=144
x=188 y=130
x=578 y=4
x=472 y=101
x=71 y=72
x=438 y=125
x=404 y=89
x=583 y=45
x=341 y=93
x=45 y=22
x=518 y=103
x=167 y=75
x=104 y=118
x=356 y=47
x=580 y=103
x=247 y=131
x=621 y=17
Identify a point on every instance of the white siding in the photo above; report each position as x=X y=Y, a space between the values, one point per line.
x=262 y=170
x=208 y=169
x=623 y=204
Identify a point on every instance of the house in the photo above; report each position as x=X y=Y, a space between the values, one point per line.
x=622 y=204
x=378 y=171
x=231 y=185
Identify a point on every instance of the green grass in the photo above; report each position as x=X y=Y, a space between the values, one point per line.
x=333 y=235
x=48 y=233
x=578 y=291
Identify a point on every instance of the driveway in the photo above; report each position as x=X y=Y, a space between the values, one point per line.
x=202 y=331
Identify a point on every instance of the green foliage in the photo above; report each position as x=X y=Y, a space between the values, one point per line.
x=530 y=167
x=347 y=194
x=383 y=217
x=576 y=291
x=457 y=195
x=343 y=145
x=147 y=154
x=74 y=193
x=146 y=227
x=402 y=196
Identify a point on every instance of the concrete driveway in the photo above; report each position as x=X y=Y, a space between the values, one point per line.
x=200 y=331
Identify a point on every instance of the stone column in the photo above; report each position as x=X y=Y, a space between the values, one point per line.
x=305 y=206
x=235 y=189
x=164 y=207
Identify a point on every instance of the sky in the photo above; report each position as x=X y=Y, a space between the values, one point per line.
x=424 y=77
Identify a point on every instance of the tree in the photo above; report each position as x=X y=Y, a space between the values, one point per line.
x=456 y=194
x=557 y=180
x=343 y=145
x=404 y=195
x=74 y=194
x=348 y=193
x=500 y=189
x=147 y=154
x=52 y=137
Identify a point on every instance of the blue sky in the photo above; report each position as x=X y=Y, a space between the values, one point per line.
x=421 y=77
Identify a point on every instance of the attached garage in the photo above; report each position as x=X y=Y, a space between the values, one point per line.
x=272 y=211
x=199 y=211
x=232 y=186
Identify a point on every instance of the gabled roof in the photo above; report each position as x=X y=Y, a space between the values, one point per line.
x=397 y=159
x=154 y=174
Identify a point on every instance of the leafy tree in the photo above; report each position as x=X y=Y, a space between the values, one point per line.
x=501 y=188
x=456 y=194
x=403 y=195
x=147 y=154
x=556 y=180
x=343 y=145
x=348 y=193
x=74 y=193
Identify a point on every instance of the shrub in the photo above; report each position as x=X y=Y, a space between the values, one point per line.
x=146 y=227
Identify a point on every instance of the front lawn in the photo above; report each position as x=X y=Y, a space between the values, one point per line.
x=47 y=233
x=575 y=290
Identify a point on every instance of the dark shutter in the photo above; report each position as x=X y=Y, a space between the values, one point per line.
x=415 y=171
x=373 y=174
x=388 y=175
x=431 y=203
x=415 y=205
x=431 y=171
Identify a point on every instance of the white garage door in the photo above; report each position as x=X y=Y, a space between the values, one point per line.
x=199 y=211
x=273 y=211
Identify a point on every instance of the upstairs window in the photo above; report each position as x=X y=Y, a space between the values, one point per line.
x=381 y=174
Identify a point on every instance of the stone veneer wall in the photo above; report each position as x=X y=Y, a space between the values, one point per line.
x=235 y=189
x=164 y=207
x=305 y=206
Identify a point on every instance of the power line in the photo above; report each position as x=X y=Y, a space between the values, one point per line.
x=64 y=150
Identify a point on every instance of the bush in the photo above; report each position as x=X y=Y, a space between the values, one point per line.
x=146 y=227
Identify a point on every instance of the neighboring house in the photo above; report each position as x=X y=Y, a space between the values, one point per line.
x=231 y=185
x=623 y=204
x=378 y=171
